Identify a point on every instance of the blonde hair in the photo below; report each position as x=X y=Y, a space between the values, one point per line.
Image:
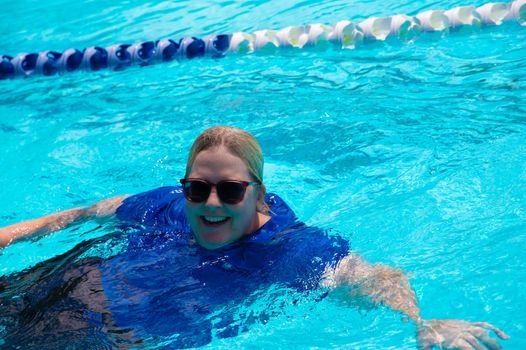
x=237 y=141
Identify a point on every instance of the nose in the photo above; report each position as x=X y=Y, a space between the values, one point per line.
x=213 y=199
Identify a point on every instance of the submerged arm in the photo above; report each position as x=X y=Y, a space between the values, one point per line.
x=59 y=221
x=378 y=284
x=383 y=285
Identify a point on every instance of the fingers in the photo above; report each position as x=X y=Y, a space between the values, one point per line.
x=473 y=341
x=461 y=344
x=456 y=334
x=484 y=337
x=425 y=340
x=497 y=331
x=424 y=346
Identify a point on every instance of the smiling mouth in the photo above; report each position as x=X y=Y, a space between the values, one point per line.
x=214 y=220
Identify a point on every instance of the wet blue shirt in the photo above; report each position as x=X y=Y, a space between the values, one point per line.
x=164 y=283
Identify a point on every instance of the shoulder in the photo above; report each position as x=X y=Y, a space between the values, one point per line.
x=277 y=206
x=157 y=206
x=279 y=211
x=303 y=241
x=285 y=227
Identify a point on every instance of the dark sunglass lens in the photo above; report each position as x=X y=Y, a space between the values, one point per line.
x=197 y=191
x=231 y=192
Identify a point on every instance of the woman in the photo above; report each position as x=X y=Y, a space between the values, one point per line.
x=223 y=221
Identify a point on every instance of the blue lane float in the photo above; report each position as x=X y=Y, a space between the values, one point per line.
x=7 y=69
x=343 y=34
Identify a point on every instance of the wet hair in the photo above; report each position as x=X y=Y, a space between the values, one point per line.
x=238 y=142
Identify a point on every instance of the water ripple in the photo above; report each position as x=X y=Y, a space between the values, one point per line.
x=415 y=151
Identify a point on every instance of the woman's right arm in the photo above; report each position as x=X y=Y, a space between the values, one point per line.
x=59 y=221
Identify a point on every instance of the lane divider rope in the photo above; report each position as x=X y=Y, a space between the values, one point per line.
x=343 y=34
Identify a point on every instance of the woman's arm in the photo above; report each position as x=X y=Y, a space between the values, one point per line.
x=378 y=284
x=384 y=285
x=59 y=221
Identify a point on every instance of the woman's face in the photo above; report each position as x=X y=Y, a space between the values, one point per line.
x=213 y=222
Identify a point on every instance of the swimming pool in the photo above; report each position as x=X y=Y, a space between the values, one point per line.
x=414 y=152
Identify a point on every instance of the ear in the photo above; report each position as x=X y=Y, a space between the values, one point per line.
x=261 y=196
x=262 y=192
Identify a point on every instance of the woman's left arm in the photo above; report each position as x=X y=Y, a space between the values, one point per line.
x=384 y=285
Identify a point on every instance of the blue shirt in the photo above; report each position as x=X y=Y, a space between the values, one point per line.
x=165 y=283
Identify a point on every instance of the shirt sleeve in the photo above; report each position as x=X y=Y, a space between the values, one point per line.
x=162 y=206
x=310 y=250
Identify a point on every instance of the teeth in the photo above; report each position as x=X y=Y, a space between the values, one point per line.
x=215 y=218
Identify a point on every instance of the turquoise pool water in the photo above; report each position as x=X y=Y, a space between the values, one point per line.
x=414 y=152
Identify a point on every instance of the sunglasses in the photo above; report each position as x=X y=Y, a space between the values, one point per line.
x=228 y=191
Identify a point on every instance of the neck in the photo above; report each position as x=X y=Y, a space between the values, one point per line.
x=260 y=219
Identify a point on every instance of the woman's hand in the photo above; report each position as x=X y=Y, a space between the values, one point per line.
x=457 y=334
x=384 y=285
